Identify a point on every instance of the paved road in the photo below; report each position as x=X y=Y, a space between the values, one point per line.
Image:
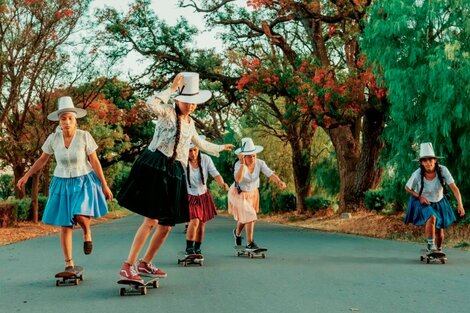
x=305 y=271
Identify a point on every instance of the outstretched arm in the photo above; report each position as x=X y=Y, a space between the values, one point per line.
x=221 y=182
x=96 y=165
x=37 y=166
x=456 y=192
x=279 y=183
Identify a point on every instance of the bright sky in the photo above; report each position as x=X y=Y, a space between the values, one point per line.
x=169 y=11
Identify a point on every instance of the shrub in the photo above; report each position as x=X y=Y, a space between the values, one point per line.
x=286 y=202
x=22 y=208
x=374 y=199
x=317 y=203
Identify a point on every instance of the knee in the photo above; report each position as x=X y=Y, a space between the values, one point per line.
x=432 y=219
x=150 y=223
x=164 y=229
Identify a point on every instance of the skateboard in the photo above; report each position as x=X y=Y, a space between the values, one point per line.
x=192 y=259
x=69 y=278
x=137 y=288
x=260 y=252
x=434 y=256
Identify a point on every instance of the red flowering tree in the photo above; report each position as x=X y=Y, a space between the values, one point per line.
x=304 y=54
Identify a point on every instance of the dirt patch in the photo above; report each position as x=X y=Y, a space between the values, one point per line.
x=28 y=230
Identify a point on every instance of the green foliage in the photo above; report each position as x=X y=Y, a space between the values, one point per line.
x=6 y=186
x=375 y=200
x=219 y=195
x=285 y=202
x=22 y=208
x=317 y=203
x=422 y=51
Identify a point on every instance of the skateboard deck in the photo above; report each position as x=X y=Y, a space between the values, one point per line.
x=243 y=251
x=137 y=288
x=67 y=278
x=192 y=259
x=434 y=256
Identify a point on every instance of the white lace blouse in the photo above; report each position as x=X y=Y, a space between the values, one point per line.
x=71 y=161
x=165 y=131
x=250 y=181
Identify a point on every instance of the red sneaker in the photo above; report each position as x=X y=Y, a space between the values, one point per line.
x=147 y=269
x=128 y=272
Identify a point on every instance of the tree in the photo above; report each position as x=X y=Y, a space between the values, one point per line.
x=31 y=33
x=303 y=65
x=167 y=49
x=422 y=50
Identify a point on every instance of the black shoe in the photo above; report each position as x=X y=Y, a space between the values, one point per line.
x=189 y=251
x=197 y=251
x=252 y=246
x=238 y=239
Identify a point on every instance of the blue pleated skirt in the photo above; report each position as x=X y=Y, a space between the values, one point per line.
x=68 y=197
x=418 y=214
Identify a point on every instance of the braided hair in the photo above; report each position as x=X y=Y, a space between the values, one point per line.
x=200 y=170
x=441 y=178
x=178 y=133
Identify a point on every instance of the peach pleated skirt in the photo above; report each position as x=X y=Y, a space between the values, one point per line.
x=244 y=205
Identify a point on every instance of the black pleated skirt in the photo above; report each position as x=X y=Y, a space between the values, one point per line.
x=156 y=188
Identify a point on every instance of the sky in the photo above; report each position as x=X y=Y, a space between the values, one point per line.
x=169 y=11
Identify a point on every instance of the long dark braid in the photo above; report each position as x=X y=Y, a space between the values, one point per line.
x=188 y=170
x=438 y=170
x=178 y=133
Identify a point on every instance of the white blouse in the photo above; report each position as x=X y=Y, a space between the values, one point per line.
x=197 y=187
x=71 y=161
x=432 y=189
x=250 y=181
x=165 y=131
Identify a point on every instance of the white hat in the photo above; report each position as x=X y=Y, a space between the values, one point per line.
x=426 y=151
x=190 y=92
x=192 y=145
x=65 y=104
x=248 y=147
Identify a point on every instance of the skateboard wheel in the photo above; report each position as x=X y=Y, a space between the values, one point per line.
x=122 y=291
x=263 y=256
x=81 y=277
x=155 y=284
x=57 y=283
x=427 y=260
x=75 y=281
x=143 y=291
x=422 y=258
x=251 y=255
x=443 y=261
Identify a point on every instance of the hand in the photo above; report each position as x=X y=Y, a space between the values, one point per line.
x=241 y=158
x=281 y=185
x=225 y=187
x=22 y=182
x=423 y=200
x=108 y=193
x=178 y=82
x=228 y=147
x=461 y=210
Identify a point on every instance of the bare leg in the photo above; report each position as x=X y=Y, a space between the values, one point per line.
x=250 y=230
x=139 y=239
x=156 y=242
x=200 y=232
x=84 y=222
x=66 y=244
x=439 y=238
x=239 y=228
x=430 y=228
x=192 y=229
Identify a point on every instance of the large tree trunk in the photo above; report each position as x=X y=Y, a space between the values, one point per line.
x=357 y=153
x=18 y=172
x=34 y=198
x=301 y=145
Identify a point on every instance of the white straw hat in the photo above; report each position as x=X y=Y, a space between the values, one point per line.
x=65 y=104
x=190 y=92
x=248 y=147
x=426 y=151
